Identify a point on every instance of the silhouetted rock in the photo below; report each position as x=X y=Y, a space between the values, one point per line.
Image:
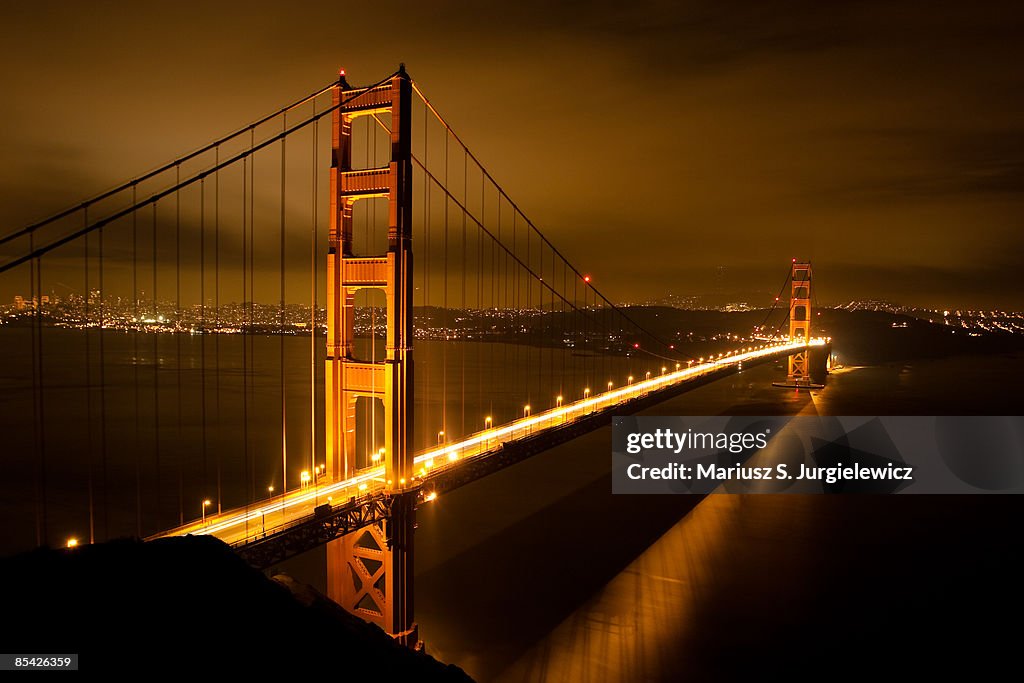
x=190 y=604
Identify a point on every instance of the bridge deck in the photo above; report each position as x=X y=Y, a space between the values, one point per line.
x=439 y=468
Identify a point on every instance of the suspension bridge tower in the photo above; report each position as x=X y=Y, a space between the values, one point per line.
x=370 y=571
x=800 y=322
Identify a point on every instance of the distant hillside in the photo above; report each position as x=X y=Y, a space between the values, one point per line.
x=860 y=337
x=190 y=605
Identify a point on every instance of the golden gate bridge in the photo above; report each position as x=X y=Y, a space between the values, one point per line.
x=323 y=203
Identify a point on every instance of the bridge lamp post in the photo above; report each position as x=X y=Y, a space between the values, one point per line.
x=440 y=437
x=304 y=478
x=72 y=542
x=270 y=490
x=648 y=375
x=629 y=380
x=586 y=393
x=487 y=427
x=664 y=369
x=610 y=385
x=526 y=414
x=206 y=504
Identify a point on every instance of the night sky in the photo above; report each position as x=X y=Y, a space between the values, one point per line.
x=656 y=143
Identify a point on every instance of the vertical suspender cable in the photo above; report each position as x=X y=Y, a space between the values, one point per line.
x=88 y=392
x=103 y=399
x=41 y=411
x=202 y=335
x=515 y=308
x=246 y=331
x=179 y=451
x=463 y=344
x=216 y=323
x=426 y=263
x=252 y=310
x=135 y=361
x=312 y=295
x=284 y=395
x=156 y=373
x=37 y=427
x=444 y=299
x=480 y=304
x=371 y=233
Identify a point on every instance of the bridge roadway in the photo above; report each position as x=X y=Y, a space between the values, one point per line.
x=363 y=496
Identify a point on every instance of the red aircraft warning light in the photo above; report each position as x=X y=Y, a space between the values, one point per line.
x=586 y=278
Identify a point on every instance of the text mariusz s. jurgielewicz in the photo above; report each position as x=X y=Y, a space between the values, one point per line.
x=737 y=442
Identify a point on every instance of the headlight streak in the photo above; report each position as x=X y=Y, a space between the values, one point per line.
x=451 y=455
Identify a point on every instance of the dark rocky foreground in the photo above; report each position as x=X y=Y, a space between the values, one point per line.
x=189 y=605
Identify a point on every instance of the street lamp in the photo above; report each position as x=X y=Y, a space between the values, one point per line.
x=558 y=401
x=586 y=393
x=609 y=386
x=304 y=478
x=440 y=438
x=206 y=504
x=648 y=375
x=526 y=410
x=629 y=380
x=72 y=542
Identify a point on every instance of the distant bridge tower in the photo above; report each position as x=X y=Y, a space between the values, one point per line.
x=800 y=322
x=370 y=571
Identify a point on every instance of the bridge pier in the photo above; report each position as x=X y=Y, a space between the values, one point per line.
x=370 y=571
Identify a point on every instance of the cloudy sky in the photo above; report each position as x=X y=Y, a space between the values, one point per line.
x=657 y=143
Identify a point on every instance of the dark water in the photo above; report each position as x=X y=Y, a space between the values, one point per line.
x=167 y=421
x=538 y=573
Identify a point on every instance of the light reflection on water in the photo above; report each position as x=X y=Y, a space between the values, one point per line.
x=561 y=581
